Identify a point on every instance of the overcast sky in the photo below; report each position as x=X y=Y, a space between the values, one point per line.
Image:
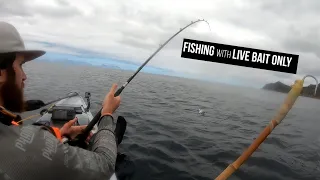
x=133 y=29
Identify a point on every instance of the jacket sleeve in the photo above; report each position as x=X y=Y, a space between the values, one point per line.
x=100 y=157
x=42 y=156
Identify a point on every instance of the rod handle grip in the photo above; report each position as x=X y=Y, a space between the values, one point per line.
x=118 y=92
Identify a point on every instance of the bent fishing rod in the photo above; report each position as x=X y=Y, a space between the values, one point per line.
x=286 y=106
x=81 y=137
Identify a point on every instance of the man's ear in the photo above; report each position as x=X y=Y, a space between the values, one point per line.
x=3 y=75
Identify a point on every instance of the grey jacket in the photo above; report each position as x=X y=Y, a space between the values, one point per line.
x=28 y=152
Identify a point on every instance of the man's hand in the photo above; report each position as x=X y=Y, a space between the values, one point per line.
x=110 y=103
x=71 y=131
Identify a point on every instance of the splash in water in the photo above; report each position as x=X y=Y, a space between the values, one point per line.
x=201 y=112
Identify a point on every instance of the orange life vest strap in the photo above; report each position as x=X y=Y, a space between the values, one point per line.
x=57 y=133
x=54 y=130
x=14 y=123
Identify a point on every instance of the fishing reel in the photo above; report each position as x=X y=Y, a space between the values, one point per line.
x=79 y=141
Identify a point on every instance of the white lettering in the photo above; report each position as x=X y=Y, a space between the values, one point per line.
x=254 y=57
x=267 y=58
x=233 y=54
x=241 y=55
x=198 y=48
x=26 y=137
x=246 y=55
x=192 y=47
x=220 y=53
x=50 y=145
x=229 y=54
x=289 y=60
x=185 y=46
x=212 y=50
x=274 y=60
x=281 y=60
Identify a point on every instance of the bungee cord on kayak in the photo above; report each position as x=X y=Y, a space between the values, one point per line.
x=292 y=96
x=40 y=114
x=36 y=104
x=72 y=94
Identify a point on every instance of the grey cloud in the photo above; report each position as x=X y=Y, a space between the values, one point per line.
x=151 y=17
x=295 y=24
x=63 y=2
x=308 y=42
x=290 y=8
x=29 y=8
x=14 y=8
x=138 y=42
x=62 y=12
x=152 y=37
x=133 y=30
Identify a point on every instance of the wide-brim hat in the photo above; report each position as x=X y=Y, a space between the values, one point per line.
x=11 y=41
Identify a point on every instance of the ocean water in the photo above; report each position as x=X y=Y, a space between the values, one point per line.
x=168 y=139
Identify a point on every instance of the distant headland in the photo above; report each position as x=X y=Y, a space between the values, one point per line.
x=307 y=91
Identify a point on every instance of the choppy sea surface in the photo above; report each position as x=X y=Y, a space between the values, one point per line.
x=168 y=139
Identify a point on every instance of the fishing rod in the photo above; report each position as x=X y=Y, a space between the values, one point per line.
x=82 y=136
x=128 y=81
x=292 y=96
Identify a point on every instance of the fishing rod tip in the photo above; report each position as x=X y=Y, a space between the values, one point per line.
x=315 y=90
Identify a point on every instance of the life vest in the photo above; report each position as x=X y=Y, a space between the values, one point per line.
x=8 y=118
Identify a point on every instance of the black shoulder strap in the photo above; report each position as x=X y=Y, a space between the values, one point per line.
x=45 y=127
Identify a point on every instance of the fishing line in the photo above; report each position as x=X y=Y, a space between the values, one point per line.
x=86 y=132
x=161 y=46
x=36 y=115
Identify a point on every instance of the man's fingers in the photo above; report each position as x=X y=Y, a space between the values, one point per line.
x=78 y=129
x=113 y=88
x=71 y=122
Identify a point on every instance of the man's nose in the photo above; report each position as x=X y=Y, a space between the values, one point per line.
x=24 y=76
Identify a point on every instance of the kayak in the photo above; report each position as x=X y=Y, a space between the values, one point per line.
x=67 y=109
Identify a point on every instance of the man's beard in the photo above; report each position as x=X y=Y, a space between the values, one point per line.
x=12 y=96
